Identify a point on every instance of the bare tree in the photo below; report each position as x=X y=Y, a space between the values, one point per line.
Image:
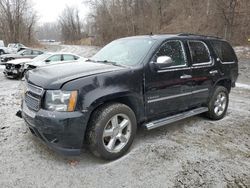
x=17 y=20
x=228 y=11
x=70 y=25
x=112 y=19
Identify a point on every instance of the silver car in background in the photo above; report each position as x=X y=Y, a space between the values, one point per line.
x=27 y=53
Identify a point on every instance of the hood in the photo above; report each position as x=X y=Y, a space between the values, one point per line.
x=18 y=61
x=38 y=63
x=9 y=55
x=54 y=76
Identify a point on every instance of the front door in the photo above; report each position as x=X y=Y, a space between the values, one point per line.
x=168 y=91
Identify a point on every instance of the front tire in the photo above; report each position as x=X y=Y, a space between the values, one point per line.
x=218 y=104
x=111 y=131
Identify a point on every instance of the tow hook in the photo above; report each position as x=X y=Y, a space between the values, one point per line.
x=19 y=114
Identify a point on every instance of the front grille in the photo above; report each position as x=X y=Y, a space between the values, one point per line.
x=33 y=97
x=32 y=102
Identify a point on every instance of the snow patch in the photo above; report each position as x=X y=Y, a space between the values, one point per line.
x=244 y=86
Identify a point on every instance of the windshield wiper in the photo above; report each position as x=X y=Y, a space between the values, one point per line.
x=106 y=62
x=111 y=63
x=90 y=60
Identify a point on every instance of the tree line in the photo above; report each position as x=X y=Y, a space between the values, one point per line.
x=111 y=19
x=17 y=21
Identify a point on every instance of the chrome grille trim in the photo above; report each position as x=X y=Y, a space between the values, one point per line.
x=33 y=96
x=35 y=89
x=32 y=102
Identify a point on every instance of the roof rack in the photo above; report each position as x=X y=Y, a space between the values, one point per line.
x=197 y=35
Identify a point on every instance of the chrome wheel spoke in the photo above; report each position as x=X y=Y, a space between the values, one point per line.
x=108 y=133
x=216 y=110
x=114 y=121
x=111 y=143
x=223 y=99
x=217 y=103
x=123 y=139
x=124 y=124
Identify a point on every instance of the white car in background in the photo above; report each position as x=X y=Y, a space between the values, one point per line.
x=3 y=49
x=12 y=48
x=50 y=59
x=18 y=68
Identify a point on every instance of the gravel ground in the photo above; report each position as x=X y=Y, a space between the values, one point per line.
x=195 y=152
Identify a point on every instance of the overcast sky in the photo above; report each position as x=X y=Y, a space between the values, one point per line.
x=49 y=10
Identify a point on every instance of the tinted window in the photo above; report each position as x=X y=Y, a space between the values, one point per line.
x=224 y=51
x=175 y=50
x=68 y=58
x=55 y=58
x=27 y=52
x=199 y=52
x=36 y=52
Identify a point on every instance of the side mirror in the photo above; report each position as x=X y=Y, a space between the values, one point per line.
x=47 y=61
x=163 y=62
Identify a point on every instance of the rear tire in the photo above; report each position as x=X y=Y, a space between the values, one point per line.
x=218 y=104
x=111 y=131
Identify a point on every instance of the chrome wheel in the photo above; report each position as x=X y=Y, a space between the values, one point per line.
x=220 y=104
x=116 y=133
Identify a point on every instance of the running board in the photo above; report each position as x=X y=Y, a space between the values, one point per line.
x=174 y=118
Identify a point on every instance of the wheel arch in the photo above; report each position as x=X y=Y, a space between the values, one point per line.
x=128 y=99
x=225 y=82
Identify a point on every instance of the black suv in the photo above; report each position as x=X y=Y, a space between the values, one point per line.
x=147 y=81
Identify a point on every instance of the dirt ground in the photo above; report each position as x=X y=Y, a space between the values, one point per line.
x=195 y=152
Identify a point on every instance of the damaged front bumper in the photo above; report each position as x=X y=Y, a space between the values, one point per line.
x=62 y=131
x=12 y=73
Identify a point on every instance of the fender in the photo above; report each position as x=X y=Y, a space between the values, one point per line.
x=124 y=86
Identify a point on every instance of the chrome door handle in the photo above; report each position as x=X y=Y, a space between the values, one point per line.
x=213 y=72
x=185 y=76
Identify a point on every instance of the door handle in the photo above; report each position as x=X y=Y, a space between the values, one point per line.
x=213 y=72
x=185 y=76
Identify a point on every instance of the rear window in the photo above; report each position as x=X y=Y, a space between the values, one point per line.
x=224 y=51
x=199 y=52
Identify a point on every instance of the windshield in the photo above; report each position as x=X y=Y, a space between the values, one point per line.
x=128 y=52
x=41 y=57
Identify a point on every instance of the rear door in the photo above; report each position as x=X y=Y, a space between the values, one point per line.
x=27 y=54
x=35 y=53
x=168 y=91
x=204 y=71
x=54 y=59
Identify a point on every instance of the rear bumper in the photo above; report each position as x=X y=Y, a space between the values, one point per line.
x=61 y=131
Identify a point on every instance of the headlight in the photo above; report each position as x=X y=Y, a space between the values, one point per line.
x=63 y=101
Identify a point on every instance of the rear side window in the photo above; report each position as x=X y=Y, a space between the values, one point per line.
x=36 y=52
x=27 y=52
x=55 y=58
x=224 y=51
x=68 y=57
x=199 y=52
